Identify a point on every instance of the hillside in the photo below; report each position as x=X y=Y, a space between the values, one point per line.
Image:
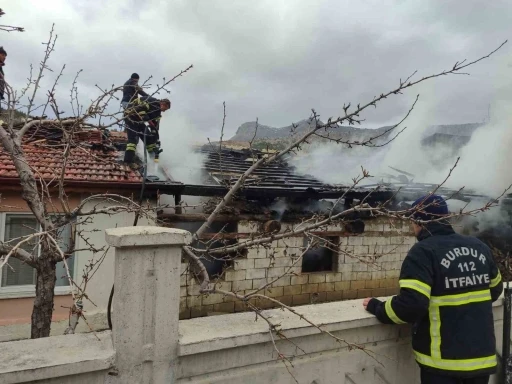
x=246 y=131
x=277 y=138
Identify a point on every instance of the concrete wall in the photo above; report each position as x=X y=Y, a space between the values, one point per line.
x=232 y=349
x=367 y=265
x=99 y=288
x=73 y=359
x=149 y=345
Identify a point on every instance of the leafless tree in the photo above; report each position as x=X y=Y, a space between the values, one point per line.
x=46 y=194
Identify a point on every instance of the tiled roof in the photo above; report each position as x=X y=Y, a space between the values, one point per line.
x=118 y=137
x=85 y=163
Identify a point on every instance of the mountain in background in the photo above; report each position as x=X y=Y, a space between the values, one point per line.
x=277 y=138
x=246 y=131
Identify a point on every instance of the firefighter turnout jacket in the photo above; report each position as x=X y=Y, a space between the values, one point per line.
x=447 y=285
x=131 y=90
x=140 y=111
x=144 y=109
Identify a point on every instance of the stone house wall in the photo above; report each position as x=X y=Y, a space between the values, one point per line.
x=367 y=265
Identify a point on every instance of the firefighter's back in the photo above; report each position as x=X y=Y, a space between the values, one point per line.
x=457 y=336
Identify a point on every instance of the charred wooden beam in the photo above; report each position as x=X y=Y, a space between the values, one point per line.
x=271 y=226
x=199 y=217
x=273 y=192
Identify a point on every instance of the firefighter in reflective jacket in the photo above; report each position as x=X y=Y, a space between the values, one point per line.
x=448 y=283
x=138 y=112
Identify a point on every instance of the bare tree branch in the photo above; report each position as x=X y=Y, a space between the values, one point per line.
x=6 y=251
x=9 y=28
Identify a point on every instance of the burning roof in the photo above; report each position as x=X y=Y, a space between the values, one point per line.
x=226 y=166
x=277 y=179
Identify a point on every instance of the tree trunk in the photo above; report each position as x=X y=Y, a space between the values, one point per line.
x=43 y=303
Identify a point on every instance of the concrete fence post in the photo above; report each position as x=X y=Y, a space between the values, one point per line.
x=146 y=302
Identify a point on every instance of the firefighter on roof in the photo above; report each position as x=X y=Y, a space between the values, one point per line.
x=149 y=110
x=448 y=283
x=131 y=90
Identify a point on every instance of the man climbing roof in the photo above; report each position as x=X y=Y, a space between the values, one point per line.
x=149 y=110
x=131 y=90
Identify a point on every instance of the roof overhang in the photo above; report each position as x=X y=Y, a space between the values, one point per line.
x=151 y=189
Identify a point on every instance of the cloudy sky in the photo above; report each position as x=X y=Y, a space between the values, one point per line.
x=273 y=59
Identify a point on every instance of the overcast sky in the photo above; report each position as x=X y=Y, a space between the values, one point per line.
x=273 y=59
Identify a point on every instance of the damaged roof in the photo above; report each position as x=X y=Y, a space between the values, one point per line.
x=276 y=179
x=226 y=166
x=280 y=179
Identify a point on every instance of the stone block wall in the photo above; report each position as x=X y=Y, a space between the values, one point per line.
x=366 y=265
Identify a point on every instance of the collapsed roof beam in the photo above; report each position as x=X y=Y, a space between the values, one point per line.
x=269 y=192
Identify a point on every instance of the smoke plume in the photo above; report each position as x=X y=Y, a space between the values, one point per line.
x=179 y=140
x=484 y=164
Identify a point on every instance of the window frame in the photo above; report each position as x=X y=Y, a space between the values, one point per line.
x=23 y=291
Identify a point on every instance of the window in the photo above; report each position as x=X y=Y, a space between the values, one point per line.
x=355 y=226
x=16 y=226
x=321 y=258
x=215 y=266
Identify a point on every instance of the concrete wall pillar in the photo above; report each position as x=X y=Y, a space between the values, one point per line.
x=146 y=302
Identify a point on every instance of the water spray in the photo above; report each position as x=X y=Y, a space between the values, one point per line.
x=156 y=160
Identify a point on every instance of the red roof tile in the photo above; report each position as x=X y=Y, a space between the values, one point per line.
x=83 y=164
x=118 y=137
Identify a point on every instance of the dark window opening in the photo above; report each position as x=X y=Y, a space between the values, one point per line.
x=355 y=226
x=321 y=258
x=219 y=263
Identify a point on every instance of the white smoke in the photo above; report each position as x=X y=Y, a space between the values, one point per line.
x=280 y=206
x=484 y=164
x=491 y=218
x=339 y=164
x=180 y=140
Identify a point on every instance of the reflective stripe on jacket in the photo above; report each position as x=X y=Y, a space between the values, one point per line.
x=447 y=285
x=145 y=109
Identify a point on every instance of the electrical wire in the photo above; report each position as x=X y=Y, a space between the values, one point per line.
x=141 y=199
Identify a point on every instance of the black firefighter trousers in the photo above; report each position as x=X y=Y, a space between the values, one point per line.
x=434 y=378
x=134 y=131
